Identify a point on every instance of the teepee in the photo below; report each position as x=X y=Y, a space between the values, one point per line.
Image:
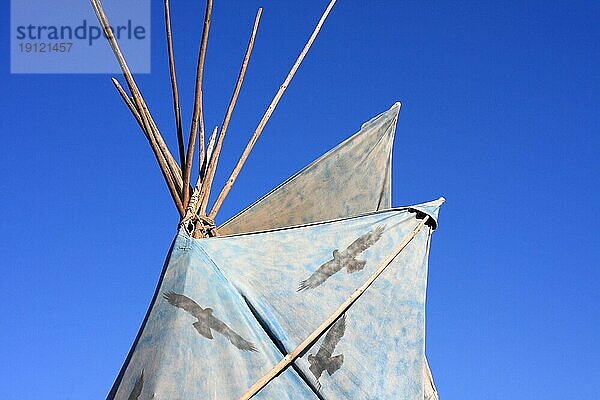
x=315 y=291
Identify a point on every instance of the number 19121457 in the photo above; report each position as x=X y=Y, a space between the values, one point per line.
x=34 y=47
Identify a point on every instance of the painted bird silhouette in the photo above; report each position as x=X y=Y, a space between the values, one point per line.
x=323 y=360
x=137 y=388
x=343 y=259
x=207 y=322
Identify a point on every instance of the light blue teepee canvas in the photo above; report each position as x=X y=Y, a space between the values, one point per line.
x=228 y=309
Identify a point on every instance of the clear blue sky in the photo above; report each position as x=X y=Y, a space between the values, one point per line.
x=500 y=115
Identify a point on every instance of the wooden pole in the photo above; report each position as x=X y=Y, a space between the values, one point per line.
x=172 y=164
x=197 y=115
x=289 y=358
x=160 y=157
x=175 y=175
x=201 y=149
x=129 y=104
x=213 y=160
x=190 y=219
x=163 y=161
x=174 y=88
x=209 y=152
x=267 y=115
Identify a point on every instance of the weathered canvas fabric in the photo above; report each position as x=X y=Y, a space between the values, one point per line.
x=227 y=309
x=351 y=179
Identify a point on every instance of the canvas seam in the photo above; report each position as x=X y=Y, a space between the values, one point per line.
x=317 y=223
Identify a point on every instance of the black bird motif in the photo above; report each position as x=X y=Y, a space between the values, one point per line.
x=137 y=388
x=323 y=360
x=343 y=259
x=207 y=321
